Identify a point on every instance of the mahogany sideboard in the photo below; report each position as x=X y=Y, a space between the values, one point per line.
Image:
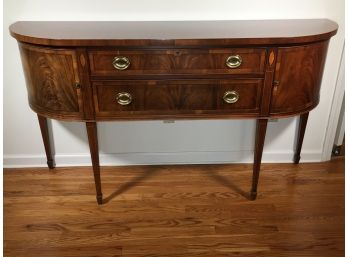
x=102 y=71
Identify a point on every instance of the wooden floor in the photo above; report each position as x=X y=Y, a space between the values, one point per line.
x=189 y=210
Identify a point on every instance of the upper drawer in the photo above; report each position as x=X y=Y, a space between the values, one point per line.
x=177 y=61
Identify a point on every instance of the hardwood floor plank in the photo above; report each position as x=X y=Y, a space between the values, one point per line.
x=174 y=211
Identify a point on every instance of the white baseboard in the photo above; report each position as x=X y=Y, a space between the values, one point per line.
x=122 y=159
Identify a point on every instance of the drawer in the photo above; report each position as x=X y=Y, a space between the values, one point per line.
x=175 y=97
x=177 y=61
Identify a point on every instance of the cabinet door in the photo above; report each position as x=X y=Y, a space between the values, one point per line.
x=50 y=76
x=299 y=70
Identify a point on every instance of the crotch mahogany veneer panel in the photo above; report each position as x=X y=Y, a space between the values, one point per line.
x=177 y=97
x=178 y=61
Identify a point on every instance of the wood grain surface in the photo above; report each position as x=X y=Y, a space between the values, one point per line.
x=47 y=140
x=156 y=97
x=188 y=210
x=178 y=61
x=61 y=81
x=50 y=78
x=300 y=135
x=173 y=33
x=299 y=71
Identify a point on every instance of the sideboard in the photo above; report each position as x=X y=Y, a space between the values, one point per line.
x=101 y=71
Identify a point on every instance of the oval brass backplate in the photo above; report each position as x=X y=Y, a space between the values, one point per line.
x=231 y=97
x=123 y=98
x=234 y=61
x=120 y=62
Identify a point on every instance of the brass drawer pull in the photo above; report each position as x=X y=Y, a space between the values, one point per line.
x=234 y=61
x=124 y=98
x=121 y=62
x=231 y=97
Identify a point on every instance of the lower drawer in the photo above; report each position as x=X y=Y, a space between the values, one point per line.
x=176 y=97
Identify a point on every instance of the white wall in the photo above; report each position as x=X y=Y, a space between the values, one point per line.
x=154 y=141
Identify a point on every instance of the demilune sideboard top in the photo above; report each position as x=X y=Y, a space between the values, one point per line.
x=100 y=71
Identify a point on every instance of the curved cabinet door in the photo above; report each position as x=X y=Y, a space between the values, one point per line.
x=298 y=70
x=51 y=76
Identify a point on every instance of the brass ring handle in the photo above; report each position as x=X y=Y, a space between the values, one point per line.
x=231 y=97
x=124 y=98
x=121 y=62
x=234 y=61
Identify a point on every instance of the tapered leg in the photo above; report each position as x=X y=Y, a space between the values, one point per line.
x=93 y=147
x=261 y=127
x=46 y=140
x=300 y=135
